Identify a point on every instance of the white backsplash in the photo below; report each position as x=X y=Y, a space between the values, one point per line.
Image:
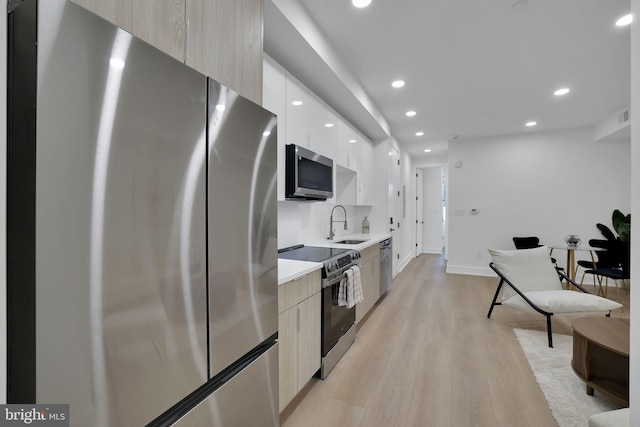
x=308 y=222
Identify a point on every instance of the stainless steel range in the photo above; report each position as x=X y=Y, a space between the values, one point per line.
x=338 y=322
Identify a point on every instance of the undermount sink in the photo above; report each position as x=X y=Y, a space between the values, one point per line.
x=351 y=242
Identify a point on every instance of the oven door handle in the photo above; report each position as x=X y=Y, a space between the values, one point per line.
x=332 y=282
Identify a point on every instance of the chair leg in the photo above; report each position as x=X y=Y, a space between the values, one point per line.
x=601 y=292
x=619 y=298
x=549 y=330
x=495 y=297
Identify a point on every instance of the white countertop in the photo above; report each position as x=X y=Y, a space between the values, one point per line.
x=289 y=269
x=368 y=240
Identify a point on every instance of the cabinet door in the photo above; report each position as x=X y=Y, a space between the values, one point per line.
x=288 y=355
x=115 y=11
x=161 y=23
x=274 y=100
x=365 y=277
x=375 y=279
x=348 y=146
x=365 y=173
x=224 y=41
x=309 y=347
x=310 y=122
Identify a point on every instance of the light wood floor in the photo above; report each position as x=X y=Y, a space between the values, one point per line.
x=428 y=356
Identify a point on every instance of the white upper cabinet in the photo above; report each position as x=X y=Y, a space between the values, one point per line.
x=310 y=122
x=349 y=146
x=305 y=120
x=365 y=174
x=274 y=100
x=355 y=153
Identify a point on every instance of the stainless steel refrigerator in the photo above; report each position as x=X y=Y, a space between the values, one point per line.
x=142 y=261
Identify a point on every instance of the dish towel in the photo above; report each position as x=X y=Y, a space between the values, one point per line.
x=354 y=286
x=342 y=292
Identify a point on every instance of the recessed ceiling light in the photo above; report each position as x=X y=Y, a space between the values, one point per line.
x=328 y=125
x=625 y=20
x=428 y=150
x=398 y=83
x=411 y=113
x=361 y=3
x=296 y=103
x=529 y=124
x=266 y=133
x=220 y=107
x=352 y=141
x=419 y=133
x=561 y=92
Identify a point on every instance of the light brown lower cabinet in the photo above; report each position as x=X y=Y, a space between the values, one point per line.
x=370 y=278
x=299 y=327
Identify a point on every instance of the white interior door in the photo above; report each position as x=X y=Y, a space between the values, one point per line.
x=419 y=212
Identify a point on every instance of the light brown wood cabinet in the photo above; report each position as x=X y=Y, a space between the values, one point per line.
x=160 y=23
x=220 y=38
x=370 y=277
x=299 y=324
x=224 y=41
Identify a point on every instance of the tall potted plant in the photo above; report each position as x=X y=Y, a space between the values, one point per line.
x=621 y=224
x=619 y=244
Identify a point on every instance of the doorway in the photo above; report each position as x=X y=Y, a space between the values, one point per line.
x=419 y=211
x=431 y=205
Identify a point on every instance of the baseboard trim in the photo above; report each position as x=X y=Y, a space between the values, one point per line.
x=470 y=271
x=435 y=251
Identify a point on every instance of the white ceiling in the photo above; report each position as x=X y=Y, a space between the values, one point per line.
x=472 y=67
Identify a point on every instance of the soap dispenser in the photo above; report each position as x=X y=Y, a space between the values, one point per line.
x=365 y=225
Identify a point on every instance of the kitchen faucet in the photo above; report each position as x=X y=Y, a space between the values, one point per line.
x=331 y=231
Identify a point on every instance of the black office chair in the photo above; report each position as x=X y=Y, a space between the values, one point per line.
x=530 y=243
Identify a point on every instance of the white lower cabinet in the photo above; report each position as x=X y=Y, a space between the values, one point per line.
x=299 y=324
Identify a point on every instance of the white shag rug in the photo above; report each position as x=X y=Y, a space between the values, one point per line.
x=565 y=393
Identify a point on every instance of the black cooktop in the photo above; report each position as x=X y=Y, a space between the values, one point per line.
x=309 y=253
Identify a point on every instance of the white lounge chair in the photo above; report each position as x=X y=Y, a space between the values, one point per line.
x=532 y=283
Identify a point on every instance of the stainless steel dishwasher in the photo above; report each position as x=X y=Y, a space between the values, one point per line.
x=385 y=266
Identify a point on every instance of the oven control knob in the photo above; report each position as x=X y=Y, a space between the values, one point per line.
x=331 y=267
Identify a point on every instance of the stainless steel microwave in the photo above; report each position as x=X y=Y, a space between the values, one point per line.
x=308 y=175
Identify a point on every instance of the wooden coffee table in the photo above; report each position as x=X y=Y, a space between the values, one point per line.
x=601 y=355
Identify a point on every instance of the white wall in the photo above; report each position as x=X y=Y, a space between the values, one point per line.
x=308 y=222
x=547 y=184
x=432 y=210
x=634 y=360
